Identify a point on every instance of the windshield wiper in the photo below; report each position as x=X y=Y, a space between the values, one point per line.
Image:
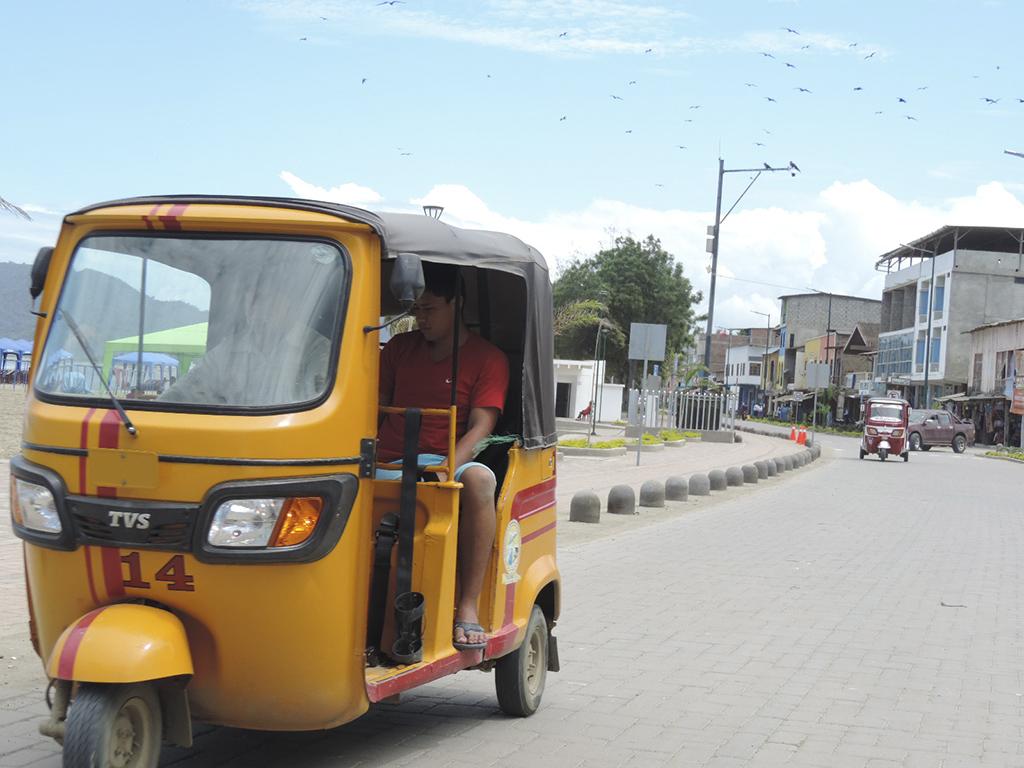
x=99 y=372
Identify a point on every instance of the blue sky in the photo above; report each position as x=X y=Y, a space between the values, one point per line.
x=462 y=105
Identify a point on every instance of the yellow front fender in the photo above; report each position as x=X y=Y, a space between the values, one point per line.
x=123 y=643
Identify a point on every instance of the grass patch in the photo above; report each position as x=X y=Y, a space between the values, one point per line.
x=1018 y=455
x=581 y=442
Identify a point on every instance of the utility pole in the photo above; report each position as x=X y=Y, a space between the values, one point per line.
x=714 y=235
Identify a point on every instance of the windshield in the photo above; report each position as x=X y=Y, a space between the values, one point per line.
x=181 y=322
x=889 y=412
x=917 y=416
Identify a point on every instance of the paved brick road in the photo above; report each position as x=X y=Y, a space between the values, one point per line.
x=800 y=624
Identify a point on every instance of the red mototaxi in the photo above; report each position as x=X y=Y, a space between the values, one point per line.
x=885 y=428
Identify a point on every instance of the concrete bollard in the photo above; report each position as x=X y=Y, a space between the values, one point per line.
x=738 y=438
x=699 y=485
x=772 y=467
x=585 y=507
x=652 y=494
x=816 y=450
x=734 y=476
x=718 y=480
x=750 y=473
x=787 y=463
x=676 y=488
x=622 y=500
x=762 y=469
x=798 y=460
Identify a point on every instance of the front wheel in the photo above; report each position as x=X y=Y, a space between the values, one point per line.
x=915 y=441
x=959 y=444
x=882 y=454
x=113 y=726
x=519 y=677
x=862 y=453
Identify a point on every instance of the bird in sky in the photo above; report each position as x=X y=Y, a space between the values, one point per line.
x=301 y=39
x=901 y=100
x=561 y=118
x=870 y=55
x=659 y=185
x=790 y=29
x=564 y=34
x=1020 y=101
x=911 y=117
x=758 y=143
x=751 y=85
x=323 y=18
x=805 y=47
x=392 y=2
x=770 y=98
x=879 y=112
x=767 y=131
x=617 y=98
x=987 y=100
x=921 y=88
x=804 y=90
x=632 y=82
x=680 y=146
x=406 y=154
x=649 y=50
x=852 y=45
x=768 y=55
x=363 y=82
x=695 y=106
x=858 y=88
x=767 y=167
x=793 y=166
x=688 y=120
x=630 y=130
x=791 y=66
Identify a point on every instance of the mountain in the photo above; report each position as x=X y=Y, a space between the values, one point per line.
x=15 y=303
x=91 y=288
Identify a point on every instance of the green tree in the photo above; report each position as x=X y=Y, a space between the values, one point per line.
x=636 y=281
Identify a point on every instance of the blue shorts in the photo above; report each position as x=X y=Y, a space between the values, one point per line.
x=429 y=460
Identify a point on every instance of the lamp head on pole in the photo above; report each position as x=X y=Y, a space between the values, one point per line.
x=433 y=211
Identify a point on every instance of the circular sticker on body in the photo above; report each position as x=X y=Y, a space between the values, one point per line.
x=511 y=549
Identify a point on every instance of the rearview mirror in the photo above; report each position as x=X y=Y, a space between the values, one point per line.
x=39 y=270
x=407 y=279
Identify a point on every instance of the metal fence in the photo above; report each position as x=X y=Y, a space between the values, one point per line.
x=689 y=409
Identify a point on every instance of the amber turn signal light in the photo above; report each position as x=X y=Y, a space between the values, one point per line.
x=297 y=521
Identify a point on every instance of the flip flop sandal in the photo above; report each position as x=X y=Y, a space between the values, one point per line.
x=467 y=627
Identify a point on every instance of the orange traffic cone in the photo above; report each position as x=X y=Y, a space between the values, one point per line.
x=792 y=433
x=801 y=439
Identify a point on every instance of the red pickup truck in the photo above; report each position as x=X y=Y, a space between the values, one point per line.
x=930 y=428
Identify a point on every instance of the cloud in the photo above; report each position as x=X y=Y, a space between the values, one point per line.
x=349 y=194
x=535 y=26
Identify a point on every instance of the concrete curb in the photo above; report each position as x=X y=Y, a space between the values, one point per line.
x=625 y=500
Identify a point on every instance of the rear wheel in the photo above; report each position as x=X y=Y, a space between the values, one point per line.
x=915 y=441
x=959 y=444
x=519 y=677
x=113 y=726
x=906 y=456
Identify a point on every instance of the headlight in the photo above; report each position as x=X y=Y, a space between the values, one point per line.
x=264 y=522
x=872 y=431
x=897 y=433
x=33 y=507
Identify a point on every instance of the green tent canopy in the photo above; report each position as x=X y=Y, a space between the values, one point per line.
x=186 y=343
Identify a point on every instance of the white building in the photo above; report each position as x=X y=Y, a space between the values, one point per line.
x=574 y=390
x=743 y=372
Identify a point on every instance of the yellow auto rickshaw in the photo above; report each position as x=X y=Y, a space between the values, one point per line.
x=225 y=552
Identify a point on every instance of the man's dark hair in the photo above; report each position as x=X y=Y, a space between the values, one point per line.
x=440 y=279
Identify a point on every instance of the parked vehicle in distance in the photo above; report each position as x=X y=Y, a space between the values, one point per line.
x=929 y=428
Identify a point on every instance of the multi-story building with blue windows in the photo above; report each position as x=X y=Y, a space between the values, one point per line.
x=937 y=288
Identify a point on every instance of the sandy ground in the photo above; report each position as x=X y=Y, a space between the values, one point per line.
x=12 y=413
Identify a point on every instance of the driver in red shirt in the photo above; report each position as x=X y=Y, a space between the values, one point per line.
x=416 y=369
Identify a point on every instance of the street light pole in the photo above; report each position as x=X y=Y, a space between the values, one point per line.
x=764 y=360
x=722 y=170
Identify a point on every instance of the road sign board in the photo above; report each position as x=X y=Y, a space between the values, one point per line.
x=647 y=341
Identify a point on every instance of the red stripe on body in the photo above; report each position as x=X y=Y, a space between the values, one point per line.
x=510 y=603
x=88 y=572
x=113 y=576
x=110 y=432
x=148 y=221
x=66 y=664
x=534 y=499
x=540 y=531
x=84 y=443
x=170 y=219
